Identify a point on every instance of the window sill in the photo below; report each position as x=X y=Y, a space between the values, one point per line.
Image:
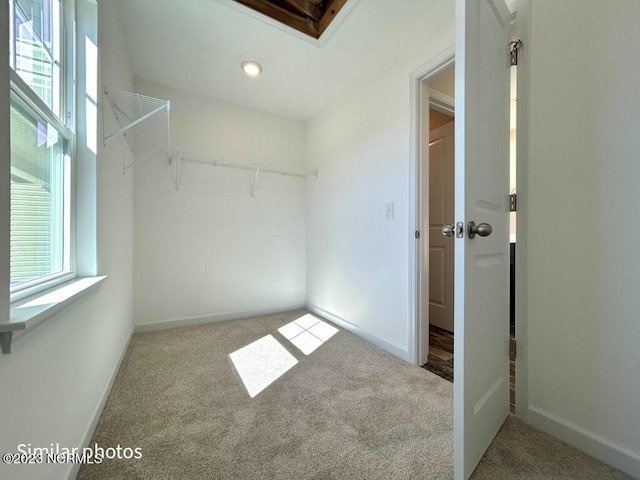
x=31 y=312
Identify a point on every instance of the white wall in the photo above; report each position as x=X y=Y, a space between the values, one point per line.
x=357 y=262
x=5 y=167
x=53 y=384
x=582 y=204
x=211 y=250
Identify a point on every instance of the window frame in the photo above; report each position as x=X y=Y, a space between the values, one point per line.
x=64 y=122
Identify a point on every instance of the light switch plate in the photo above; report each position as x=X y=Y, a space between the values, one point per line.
x=389 y=211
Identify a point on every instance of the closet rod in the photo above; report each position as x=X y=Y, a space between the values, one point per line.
x=221 y=163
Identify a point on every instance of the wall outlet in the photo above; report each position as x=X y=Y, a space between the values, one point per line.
x=389 y=211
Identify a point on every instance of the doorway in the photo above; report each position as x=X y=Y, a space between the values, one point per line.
x=482 y=343
x=437 y=194
x=438 y=201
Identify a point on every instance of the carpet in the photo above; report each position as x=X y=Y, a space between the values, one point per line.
x=344 y=410
x=347 y=410
x=521 y=452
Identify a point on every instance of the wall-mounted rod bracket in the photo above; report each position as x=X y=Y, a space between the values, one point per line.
x=149 y=114
x=5 y=341
x=142 y=159
x=255 y=180
x=133 y=124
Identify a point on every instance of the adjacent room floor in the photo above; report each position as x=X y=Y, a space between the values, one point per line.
x=284 y=396
x=440 y=360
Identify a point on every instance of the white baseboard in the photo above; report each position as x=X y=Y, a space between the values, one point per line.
x=72 y=470
x=589 y=442
x=350 y=327
x=217 y=317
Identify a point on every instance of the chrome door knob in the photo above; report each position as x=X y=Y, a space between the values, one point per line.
x=482 y=229
x=448 y=230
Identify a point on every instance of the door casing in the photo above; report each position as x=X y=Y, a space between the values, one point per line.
x=440 y=315
x=418 y=265
x=418 y=81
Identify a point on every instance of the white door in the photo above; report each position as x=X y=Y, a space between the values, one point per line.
x=441 y=212
x=481 y=361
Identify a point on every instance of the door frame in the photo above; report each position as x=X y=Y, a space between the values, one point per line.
x=521 y=18
x=443 y=103
x=419 y=139
x=418 y=79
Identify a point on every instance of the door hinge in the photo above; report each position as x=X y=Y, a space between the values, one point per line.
x=417 y=234
x=513 y=202
x=512 y=348
x=514 y=47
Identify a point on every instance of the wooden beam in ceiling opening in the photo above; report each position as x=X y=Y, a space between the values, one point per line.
x=329 y=14
x=307 y=8
x=305 y=25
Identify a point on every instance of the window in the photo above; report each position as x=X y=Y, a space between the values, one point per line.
x=36 y=47
x=41 y=149
x=40 y=198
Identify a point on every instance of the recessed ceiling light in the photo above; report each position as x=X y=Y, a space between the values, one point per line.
x=251 y=68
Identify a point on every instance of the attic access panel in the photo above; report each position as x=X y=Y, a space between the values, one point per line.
x=311 y=17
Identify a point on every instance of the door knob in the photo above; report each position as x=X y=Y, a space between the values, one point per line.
x=482 y=229
x=448 y=230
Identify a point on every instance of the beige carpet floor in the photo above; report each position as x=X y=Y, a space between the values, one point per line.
x=348 y=410
x=521 y=452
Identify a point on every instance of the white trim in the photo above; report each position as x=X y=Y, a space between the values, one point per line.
x=442 y=102
x=446 y=104
x=320 y=42
x=85 y=438
x=86 y=161
x=522 y=161
x=430 y=69
x=5 y=169
x=31 y=98
x=589 y=442
x=29 y=313
x=215 y=317
x=339 y=19
x=350 y=327
x=437 y=64
x=33 y=287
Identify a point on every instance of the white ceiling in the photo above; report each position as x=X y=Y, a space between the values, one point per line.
x=197 y=45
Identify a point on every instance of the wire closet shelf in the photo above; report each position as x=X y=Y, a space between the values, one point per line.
x=221 y=162
x=143 y=122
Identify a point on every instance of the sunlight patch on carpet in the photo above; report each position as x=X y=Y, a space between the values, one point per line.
x=307 y=321
x=307 y=333
x=306 y=342
x=323 y=331
x=290 y=330
x=261 y=363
